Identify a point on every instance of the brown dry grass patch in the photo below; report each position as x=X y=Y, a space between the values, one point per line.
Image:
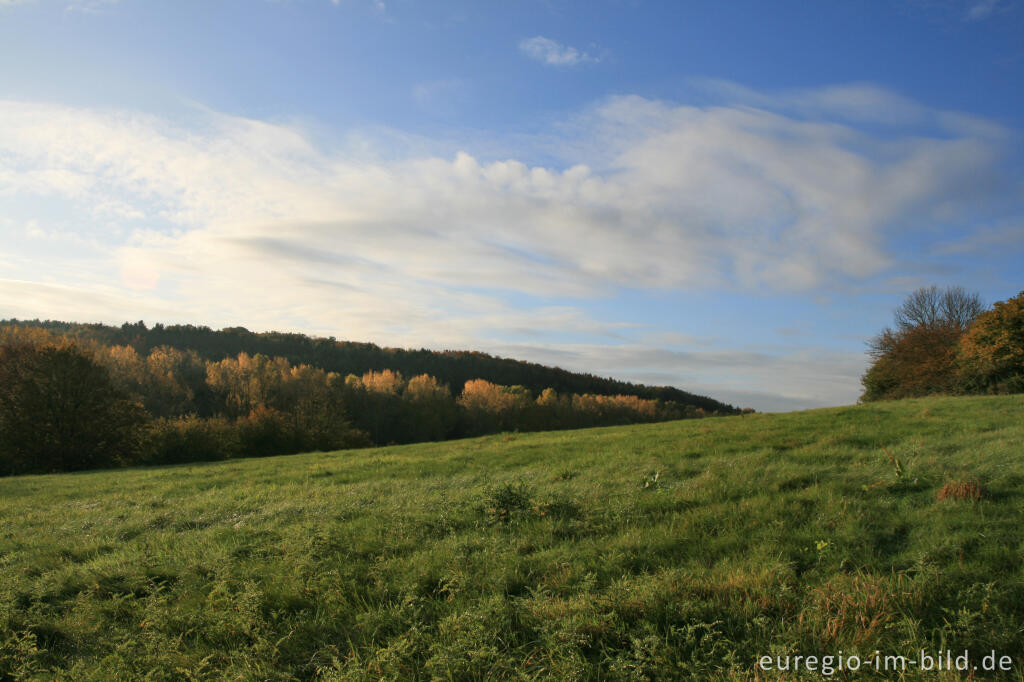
x=961 y=490
x=852 y=608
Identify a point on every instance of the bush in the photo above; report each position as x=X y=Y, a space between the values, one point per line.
x=190 y=439
x=266 y=432
x=263 y=433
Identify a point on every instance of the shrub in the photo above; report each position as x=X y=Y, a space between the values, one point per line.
x=266 y=432
x=190 y=439
x=508 y=499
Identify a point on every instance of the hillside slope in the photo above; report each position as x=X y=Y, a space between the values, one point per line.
x=453 y=367
x=677 y=550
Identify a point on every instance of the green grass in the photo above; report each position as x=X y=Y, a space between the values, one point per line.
x=663 y=551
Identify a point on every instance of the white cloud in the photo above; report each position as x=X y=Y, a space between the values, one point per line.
x=855 y=103
x=678 y=197
x=988 y=241
x=796 y=379
x=553 y=53
x=47 y=300
x=235 y=221
x=982 y=10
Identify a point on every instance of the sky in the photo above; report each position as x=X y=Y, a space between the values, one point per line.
x=728 y=197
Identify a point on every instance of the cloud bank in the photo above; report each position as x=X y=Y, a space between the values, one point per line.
x=237 y=221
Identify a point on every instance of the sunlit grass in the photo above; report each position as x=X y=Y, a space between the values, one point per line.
x=682 y=549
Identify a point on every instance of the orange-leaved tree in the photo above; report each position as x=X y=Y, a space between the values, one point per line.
x=992 y=350
x=919 y=355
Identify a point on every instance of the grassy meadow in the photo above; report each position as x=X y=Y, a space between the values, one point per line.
x=680 y=550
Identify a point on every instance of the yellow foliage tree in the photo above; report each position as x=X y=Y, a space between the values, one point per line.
x=992 y=350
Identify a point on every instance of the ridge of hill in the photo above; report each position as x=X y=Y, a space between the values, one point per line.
x=452 y=367
x=679 y=550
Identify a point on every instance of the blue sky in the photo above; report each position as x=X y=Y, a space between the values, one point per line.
x=729 y=197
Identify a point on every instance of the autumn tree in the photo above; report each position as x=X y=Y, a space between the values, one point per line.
x=992 y=350
x=429 y=411
x=176 y=383
x=488 y=408
x=918 y=362
x=59 y=411
x=374 y=403
x=314 y=399
x=168 y=382
x=246 y=382
x=918 y=356
x=554 y=411
x=269 y=395
x=126 y=368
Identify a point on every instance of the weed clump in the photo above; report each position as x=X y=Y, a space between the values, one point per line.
x=516 y=500
x=506 y=500
x=651 y=482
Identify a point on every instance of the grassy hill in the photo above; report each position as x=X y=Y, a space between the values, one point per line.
x=677 y=550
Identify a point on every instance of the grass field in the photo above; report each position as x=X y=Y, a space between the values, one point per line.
x=681 y=550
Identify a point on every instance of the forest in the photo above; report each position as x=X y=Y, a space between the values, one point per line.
x=451 y=367
x=78 y=397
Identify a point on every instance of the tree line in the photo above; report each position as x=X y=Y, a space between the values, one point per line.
x=946 y=341
x=75 y=403
x=451 y=367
